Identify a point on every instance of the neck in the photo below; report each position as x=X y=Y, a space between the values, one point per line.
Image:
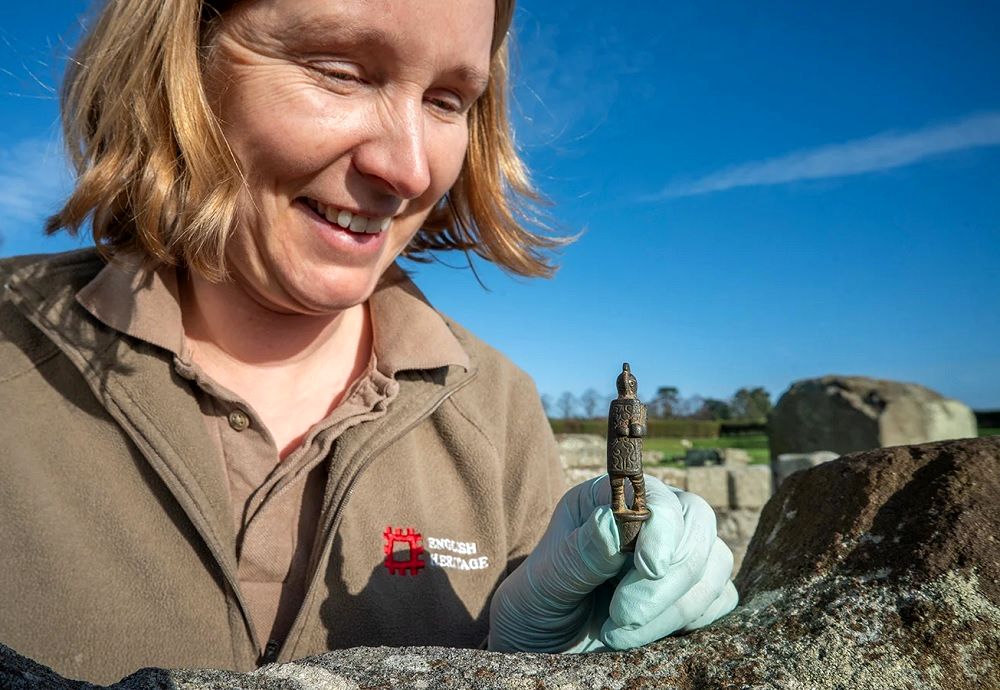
x=234 y=338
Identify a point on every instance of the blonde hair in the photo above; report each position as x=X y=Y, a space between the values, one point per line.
x=156 y=176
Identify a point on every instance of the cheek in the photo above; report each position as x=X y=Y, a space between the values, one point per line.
x=285 y=131
x=446 y=154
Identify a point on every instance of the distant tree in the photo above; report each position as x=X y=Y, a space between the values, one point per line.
x=692 y=407
x=716 y=409
x=751 y=403
x=590 y=401
x=547 y=404
x=567 y=405
x=664 y=404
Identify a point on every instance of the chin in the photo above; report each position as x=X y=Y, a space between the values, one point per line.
x=329 y=294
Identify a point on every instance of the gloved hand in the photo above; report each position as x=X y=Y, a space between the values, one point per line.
x=576 y=592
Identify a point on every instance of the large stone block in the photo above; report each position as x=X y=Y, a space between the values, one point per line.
x=736 y=527
x=582 y=450
x=750 y=486
x=846 y=414
x=674 y=476
x=711 y=483
x=788 y=464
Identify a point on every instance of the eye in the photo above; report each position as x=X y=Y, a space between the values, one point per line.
x=340 y=72
x=447 y=102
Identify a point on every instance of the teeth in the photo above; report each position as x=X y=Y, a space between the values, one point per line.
x=349 y=221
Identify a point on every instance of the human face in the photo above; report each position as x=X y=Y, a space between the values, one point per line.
x=341 y=111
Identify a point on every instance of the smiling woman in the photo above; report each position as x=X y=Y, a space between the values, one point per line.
x=268 y=441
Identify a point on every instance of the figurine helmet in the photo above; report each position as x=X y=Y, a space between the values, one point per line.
x=626 y=383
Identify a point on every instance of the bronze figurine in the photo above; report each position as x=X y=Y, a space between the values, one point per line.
x=626 y=429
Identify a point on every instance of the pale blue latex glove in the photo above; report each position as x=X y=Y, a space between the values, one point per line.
x=575 y=592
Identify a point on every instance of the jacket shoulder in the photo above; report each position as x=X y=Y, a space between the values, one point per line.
x=22 y=345
x=503 y=400
x=494 y=369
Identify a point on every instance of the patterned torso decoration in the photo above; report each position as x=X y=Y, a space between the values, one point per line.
x=624 y=450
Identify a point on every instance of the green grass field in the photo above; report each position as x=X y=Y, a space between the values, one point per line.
x=754 y=444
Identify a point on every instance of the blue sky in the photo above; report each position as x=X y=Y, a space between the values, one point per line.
x=767 y=191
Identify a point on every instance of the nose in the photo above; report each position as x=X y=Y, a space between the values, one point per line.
x=394 y=154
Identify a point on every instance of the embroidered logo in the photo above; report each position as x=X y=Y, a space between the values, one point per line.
x=396 y=542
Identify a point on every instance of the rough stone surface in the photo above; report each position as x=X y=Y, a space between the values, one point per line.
x=788 y=464
x=582 y=450
x=674 y=476
x=877 y=571
x=711 y=483
x=736 y=527
x=846 y=414
x=749 y=487
x=734 y=457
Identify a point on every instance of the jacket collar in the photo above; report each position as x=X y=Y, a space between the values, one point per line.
x=408 y=334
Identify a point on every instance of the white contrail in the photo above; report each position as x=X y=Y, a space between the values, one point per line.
x=880 y=152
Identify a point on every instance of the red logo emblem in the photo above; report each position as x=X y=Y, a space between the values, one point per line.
x=394 y=540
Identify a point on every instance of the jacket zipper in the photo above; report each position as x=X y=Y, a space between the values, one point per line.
x=335 y=518
x=162 y=468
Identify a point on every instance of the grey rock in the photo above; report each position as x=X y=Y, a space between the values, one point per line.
x=582 y=450
x=702 y=457
x=711 y=483
x=674 y=476
x=652 y=457
x=846 y=414
x=750 y=486
x=736 y=527
x=788 y=464
x=734 y=457
x=877 y=571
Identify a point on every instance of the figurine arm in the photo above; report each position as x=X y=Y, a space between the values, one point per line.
x=620 y=419
x=637 y=429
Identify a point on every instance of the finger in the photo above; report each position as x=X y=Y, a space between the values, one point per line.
x=697 y=600
x=672 y=620
x=644 y=610
x=723 y=604
x=661 y=535
x=691 y=534
x=571 y=569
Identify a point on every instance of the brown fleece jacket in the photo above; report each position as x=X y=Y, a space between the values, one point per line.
x=117 y=532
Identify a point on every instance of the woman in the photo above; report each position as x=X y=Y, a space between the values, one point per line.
x=248 y=437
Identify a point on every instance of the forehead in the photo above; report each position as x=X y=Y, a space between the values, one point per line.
x=446 y=33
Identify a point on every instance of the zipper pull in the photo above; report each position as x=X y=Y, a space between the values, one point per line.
x=270 y=654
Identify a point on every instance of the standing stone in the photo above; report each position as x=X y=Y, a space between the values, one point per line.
x=846 y=414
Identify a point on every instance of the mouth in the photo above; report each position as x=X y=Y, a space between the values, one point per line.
x=349 y=221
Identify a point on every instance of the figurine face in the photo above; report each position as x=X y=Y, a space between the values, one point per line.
x=627 y=385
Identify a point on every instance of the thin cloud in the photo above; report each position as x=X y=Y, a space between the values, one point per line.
x=34 y=179
x=880 y=152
